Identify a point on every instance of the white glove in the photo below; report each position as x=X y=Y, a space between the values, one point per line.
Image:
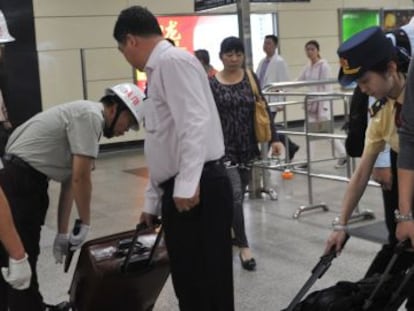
x=18 y=274
x=60 y=246
x=77 y=240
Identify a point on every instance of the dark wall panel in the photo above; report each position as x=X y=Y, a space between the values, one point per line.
x=21 y=83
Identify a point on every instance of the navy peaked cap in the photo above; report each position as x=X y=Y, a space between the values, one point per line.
x=361 y=52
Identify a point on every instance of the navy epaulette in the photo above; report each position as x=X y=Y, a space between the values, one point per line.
x=377 y=106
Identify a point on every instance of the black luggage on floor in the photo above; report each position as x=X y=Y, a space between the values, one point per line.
x=110 y=276
x=379 y=292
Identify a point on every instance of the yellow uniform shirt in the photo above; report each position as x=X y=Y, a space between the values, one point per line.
x=382 y=129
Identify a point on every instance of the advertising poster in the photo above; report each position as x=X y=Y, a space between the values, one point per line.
x=194 y=32
x=353 y=21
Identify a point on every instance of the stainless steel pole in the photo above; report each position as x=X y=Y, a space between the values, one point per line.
x=243 y=14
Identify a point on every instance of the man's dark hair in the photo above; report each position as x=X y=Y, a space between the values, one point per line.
x=136 y=20
x=111 y=100
x=273 y=38
x=231 y=44
x=203 y=56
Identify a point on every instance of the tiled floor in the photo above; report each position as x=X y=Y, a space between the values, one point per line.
x=285 y=249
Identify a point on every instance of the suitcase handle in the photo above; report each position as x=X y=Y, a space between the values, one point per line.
x=327 y=259
x=399 y=248
x=402 y=246
x=139 y=228
x=317 y=272
x=397 y=298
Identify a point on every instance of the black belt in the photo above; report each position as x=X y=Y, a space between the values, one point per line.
x=207 y=165
x=212 y=163
x=16 y=161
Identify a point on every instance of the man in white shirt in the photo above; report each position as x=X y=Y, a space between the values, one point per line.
x=183 y=147
x=272 y=69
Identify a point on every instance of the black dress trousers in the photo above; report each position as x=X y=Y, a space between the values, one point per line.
x=199 y=243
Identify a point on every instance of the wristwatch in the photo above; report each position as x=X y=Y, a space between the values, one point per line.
x=400 y=218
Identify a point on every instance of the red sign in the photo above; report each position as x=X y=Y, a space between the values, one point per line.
x=180 y=29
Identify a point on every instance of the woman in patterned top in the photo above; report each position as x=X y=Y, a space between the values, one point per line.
x=235 y=102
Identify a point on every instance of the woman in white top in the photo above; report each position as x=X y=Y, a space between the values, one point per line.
x=320 y=111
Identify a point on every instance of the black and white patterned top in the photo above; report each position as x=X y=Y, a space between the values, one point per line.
x=235 y=104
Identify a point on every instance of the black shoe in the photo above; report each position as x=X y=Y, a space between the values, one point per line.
x=249 y=264
x=63 y=306
x=292 y=150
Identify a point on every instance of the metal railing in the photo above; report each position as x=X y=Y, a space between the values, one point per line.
x=306 y=97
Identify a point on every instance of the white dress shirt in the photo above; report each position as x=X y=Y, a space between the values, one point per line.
x=409 y=30
x=182 y=123
x=276 y=71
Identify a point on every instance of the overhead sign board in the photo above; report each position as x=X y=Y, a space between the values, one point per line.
x=279 y=0
x=200 y=5
x=209 y=4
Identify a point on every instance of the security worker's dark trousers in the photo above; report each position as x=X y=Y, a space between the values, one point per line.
x=199 y=243
x=26 y=191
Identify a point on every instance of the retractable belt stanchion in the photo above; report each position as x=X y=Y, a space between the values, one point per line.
x=264 y=150
x=260 y=176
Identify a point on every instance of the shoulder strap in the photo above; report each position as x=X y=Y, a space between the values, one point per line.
x=253 y=83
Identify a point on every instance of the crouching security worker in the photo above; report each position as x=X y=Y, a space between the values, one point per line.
x=60 y=143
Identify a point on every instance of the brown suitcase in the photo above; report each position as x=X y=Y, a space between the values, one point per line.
x=112 y=276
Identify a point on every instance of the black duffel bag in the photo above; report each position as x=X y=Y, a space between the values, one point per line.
x=351 y=296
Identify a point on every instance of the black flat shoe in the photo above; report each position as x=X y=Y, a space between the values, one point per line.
x=249 y=265
x=292 y=151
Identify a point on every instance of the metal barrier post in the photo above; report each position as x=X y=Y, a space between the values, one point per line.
x=357 y=215
x=311 y=206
